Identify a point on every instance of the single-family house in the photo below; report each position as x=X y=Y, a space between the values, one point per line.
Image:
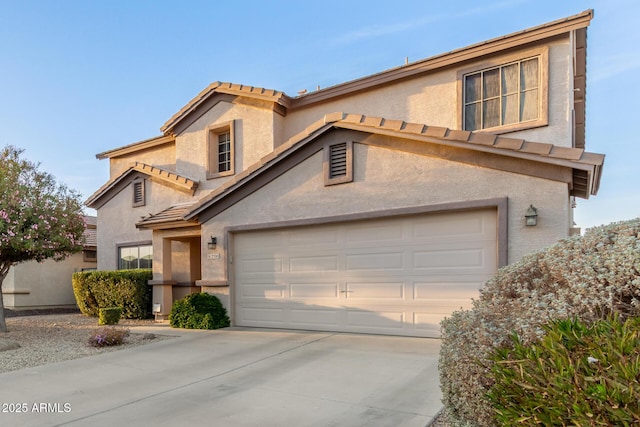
x=379 y=205
x=47 y=284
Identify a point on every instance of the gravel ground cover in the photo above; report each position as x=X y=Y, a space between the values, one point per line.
x=51 y=338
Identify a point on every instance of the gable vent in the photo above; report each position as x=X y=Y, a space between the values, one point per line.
x=138 y=193
x=338 y=160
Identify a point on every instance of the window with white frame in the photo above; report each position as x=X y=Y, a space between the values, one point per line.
x=508 y=95
x=135 y=257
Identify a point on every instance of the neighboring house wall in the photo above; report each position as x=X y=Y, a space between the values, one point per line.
x=43 y=285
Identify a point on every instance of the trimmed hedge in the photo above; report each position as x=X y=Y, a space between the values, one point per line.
x=578 y=374
x=586 y=278
x=123 y=288
x=198 y=311
x=109 y=316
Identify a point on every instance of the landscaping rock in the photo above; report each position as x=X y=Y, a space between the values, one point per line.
x=8 y=345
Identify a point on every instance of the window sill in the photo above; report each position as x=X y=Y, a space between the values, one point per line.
x=498 y=130
x=219 y=174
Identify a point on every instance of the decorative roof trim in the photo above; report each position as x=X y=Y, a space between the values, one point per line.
x=136 y=146
x=271 y=95
x=164 y=176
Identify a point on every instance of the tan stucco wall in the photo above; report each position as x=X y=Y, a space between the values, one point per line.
x=117 y=219
x=433 y=99
x=386 y=179
x=48 y=284
x=253 y=125
x=163 y=156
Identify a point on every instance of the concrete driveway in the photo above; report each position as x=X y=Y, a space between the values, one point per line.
x=235 y=377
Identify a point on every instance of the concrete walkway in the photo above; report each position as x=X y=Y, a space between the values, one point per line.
x=235 y=377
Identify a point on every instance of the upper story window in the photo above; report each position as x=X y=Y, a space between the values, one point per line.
x=338 y=163
x=508 y=96
x=220 y=150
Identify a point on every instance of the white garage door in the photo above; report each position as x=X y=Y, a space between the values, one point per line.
x=397 y=276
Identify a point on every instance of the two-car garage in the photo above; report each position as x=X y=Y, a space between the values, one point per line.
x=394 y=275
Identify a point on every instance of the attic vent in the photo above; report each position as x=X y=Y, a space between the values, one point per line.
x=138 y=193
x=338 y=161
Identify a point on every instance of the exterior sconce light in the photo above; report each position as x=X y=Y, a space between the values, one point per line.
x=531 y=216
x=211 y=244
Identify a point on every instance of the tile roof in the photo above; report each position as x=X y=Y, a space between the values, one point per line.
x=172 y=214
x=136 y=146
x=165 y=176
x=585 y=165
x=272 y=95
x=169 y=177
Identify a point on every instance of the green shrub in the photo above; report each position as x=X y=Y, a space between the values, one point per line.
x=585 y=278
x=108 y=336
x=109 y=316
x=578 y=374
x=123 y=288
x=198 y=311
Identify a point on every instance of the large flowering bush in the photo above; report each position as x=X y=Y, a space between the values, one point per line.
x=586 y=278
x=39 y=218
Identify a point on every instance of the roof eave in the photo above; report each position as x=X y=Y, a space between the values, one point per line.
x=136 y=146
x=488 y=47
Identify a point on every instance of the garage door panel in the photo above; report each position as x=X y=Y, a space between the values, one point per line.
x=447 y=290
x=386 y=291
x=263 y=290
x=468 y=225
x=375 y=261
x=386 y=233
x=397 y=276
x=313 y=263
x=450 y=259
x=271 y=316
x=377 y=320
x=304 y=237
x=315 y=317
x=314 y=290
x=267 y=265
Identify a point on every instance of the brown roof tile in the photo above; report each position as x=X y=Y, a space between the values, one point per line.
x=536 y=148
x=509 y=143
x=415 y=128
x=435 y=131
x=482 y=138
x=566 y=153
x=458 y=135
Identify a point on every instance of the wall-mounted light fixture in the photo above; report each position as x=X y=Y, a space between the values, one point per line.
x=211 y=244
x=531 y=216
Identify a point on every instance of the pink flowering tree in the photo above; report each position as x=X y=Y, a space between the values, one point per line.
x=39 y=218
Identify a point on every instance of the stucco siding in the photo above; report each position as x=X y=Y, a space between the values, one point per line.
x=117 y=219
x=385 y=179
x=254 y=130
x=435 y=99
x=163 y=157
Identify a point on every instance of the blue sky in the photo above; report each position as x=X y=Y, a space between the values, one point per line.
x=81 y=77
